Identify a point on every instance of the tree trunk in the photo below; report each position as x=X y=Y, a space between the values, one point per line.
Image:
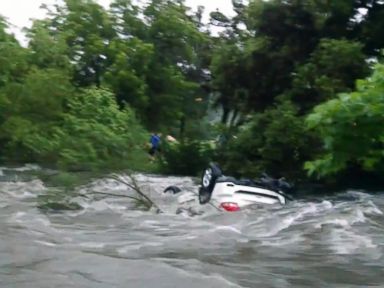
x=224 y=117
x=234 y=116
x=183 y=121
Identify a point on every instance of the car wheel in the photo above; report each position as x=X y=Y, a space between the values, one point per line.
x=172 y=190
x=209 y=177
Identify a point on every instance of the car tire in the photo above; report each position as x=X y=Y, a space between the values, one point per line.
x=209 y=177
x=172 y=190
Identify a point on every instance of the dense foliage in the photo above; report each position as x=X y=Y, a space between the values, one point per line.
x=271 y=141
x=186 y=158
x=351 y=127
x=278 y=81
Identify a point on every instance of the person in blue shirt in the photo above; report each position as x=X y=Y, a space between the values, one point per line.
x=155 y=142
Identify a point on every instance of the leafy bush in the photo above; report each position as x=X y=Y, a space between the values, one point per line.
x=32 y=108
x=351 y=128
x=96 y=133
x=332 y=68
x=274 y=141
x=186 y=158
x=83 y=131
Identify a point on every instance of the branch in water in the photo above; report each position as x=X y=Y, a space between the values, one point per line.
x=135 y=187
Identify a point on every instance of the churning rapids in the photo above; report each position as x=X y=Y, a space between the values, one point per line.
x=333 y=241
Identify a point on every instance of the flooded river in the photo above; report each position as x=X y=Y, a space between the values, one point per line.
x=333 y=241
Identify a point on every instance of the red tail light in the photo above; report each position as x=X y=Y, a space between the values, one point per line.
x=230 y=207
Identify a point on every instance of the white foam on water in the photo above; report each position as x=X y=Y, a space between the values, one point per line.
x=274 y=223
x=17 y=217
x=100 y=206
x=23 y=190
x=126 y=249
x=325 y=205
x=353 y=216
x=227 y=228
x=214 y=279
x=26 y=167
x=186 y=198
x=346 y=241
x=94 y=245
x=45 y=243
x=33 y=222
x=372 y=209
x=136 y=246
x=24 y=195
x=283 y=241
x=222 y=279
x=104 y=185
x=336 y=222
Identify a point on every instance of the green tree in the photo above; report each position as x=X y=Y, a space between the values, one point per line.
x=47 y=49
x=12 y=57
x=229 y=80
x=271 y=142
x=88 y=30
x=97 y=134
x=128 y=72
x=14 y=67
x=252 y=66
x=286 y=34
x=156 y=64
x=351 y=129
x=34 y=106
x=332 y=68
x=50 y=122
x=127 y=21
x=370 y=29
x=173 y=84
